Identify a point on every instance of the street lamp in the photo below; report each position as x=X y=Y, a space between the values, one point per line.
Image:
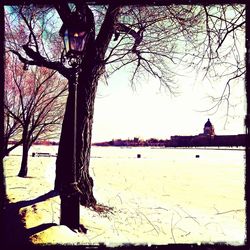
x=75 y=33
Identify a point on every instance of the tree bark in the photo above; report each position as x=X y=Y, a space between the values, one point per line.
x=6 y=150
x=92 y=68
x=5 y=147
x=87 y=86
x=85 y=110
x=24 y=164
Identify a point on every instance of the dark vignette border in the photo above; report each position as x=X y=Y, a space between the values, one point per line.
x=3 y=200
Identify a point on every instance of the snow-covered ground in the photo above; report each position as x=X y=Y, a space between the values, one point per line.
x=166 y=196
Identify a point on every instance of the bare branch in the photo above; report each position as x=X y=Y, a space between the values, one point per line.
x=41 y=61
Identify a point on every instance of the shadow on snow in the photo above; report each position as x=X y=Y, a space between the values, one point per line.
x=14 y=231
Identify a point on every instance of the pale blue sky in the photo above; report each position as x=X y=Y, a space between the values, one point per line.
x=150 y=112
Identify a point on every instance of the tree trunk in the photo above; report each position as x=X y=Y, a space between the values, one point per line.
x=24 y=164
x=92 y=68
x=7 y=150
x=85 y=108
x=5 y=147
x=84 y=146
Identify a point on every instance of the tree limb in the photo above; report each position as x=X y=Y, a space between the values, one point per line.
x=31 y=29
x=41 y=61
x=63 y=11
x=107 y=29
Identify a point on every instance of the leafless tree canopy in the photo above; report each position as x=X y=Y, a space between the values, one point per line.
x=34 y=100
x=156 y=40
x=153 y=40
x=34 y=97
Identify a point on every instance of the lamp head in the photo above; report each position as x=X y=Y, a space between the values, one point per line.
x=75 y=32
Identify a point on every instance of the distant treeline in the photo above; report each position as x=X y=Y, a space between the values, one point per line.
x=43 y=142
x=175 y=141
x=182 y=141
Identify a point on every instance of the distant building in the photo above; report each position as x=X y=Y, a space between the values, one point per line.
x=205 y=139
x=208 y=128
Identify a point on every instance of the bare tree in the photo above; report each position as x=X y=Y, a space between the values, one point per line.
x=12 y=128
x=222 y=56
x=33 y=106
x=146 y=40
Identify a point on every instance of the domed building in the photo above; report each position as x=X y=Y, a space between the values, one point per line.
x=208 y=128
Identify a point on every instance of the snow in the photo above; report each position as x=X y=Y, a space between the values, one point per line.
x=167 y=196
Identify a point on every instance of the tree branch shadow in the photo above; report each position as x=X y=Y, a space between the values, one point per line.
x=14 y=231
x=41 y=198
x=40 y=228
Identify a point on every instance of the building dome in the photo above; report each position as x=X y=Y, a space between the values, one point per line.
x=208 y=128
x=208 y=124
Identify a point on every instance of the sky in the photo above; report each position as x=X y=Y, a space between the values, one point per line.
x=149 y=111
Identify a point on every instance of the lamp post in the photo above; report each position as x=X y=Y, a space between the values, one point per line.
x=75 y=35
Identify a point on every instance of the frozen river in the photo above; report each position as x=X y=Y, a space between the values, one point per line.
x=165 y=196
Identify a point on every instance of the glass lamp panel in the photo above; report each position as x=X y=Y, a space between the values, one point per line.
x=66 y=41
x=77 y=41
